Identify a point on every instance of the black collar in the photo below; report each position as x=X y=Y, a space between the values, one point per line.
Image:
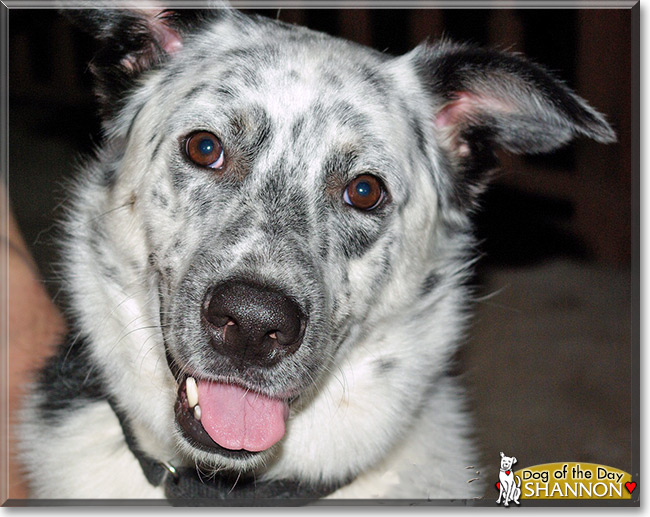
x=185 y=486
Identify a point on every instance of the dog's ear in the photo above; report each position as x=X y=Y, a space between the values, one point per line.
x=502 y=455
x=514 y=460
x=486 y=99
x=133 y=41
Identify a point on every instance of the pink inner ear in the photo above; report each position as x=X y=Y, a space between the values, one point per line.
x=458 y=109
x=168 y=39
x=465 y=105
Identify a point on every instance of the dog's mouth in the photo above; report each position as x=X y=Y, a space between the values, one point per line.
x=227 y=419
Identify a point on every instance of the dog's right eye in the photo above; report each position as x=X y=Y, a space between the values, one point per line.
x=204 y=149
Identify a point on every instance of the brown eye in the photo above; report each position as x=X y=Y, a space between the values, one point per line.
x=204 y=149
x=364 y=192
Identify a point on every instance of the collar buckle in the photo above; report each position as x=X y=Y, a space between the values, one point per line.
x=170 y=470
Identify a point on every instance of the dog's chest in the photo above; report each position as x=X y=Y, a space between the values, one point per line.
x=90 y=459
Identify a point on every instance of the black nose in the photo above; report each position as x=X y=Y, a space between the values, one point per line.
x=253 y=324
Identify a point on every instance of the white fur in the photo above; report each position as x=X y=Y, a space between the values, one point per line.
x=397 y=436
x=84 y=457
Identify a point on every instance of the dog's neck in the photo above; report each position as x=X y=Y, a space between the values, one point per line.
x=185 y=485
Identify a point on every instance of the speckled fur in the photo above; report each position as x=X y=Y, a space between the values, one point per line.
x=300 y=114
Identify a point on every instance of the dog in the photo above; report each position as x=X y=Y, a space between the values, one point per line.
x=267 y=261
x=509 y=484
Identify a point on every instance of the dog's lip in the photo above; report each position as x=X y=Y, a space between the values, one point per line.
x=181 y=379
x=181 y=374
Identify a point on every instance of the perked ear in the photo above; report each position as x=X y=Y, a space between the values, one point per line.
x=523 y=108
x=132 y=42
x=486 y=99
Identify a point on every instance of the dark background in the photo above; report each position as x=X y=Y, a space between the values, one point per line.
x=548 y=362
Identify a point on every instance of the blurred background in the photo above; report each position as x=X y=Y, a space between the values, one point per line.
x=548 y=362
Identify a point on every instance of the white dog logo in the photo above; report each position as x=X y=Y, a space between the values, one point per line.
x=509 y=484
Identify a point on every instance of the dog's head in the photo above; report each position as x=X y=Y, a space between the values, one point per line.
x=507 y=462
x=272 y=197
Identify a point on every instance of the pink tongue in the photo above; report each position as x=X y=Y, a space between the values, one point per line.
x=236 y=418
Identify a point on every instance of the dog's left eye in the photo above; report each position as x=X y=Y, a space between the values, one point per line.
x=364 y=192
x=204 y=149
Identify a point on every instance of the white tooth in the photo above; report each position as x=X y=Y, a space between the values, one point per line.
x=192 y=392
x=197 y=412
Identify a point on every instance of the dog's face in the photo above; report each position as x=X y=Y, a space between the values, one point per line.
x=281 y=195
x=280 y=191
x=298 y=211
x=507 y=462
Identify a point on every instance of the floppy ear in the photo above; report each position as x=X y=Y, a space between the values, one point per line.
x=486 y=99
x=514 y=460
x=132 y=42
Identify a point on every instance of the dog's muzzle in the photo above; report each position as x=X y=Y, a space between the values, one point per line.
x=251 y=327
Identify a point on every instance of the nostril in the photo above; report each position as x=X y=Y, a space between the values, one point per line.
x=220 y=321
x=284 y=338
x=290 y=335
x=214 y=313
